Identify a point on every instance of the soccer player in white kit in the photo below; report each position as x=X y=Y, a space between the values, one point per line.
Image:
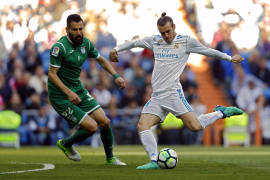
x=171 y=52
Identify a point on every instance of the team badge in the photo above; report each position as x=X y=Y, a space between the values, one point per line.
x=83 y=50
x=176 y=45
x=55 y=51
x=160 y=41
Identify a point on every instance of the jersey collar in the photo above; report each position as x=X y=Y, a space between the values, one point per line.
x=69 y=40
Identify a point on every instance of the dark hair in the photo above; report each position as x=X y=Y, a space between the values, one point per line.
x=73 y=18
x=164 y=19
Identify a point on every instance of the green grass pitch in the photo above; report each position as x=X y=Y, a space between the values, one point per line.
x=198 y=163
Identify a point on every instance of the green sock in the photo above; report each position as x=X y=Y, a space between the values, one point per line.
x=79 y=135
x=107 y=140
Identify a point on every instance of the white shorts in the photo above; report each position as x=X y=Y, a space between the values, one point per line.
x=160 y=104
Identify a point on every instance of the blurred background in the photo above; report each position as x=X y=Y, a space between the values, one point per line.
x=29 y=28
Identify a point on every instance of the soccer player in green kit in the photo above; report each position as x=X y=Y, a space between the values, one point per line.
x=70 y=98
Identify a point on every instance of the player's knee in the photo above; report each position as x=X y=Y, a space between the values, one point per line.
x=141 y=126
x=92 y=128
x=195 y=127
x=106 y=123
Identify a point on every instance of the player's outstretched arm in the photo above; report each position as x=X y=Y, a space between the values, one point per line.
x=193 y=46
x=142 y=43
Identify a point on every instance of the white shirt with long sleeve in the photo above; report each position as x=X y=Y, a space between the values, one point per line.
x=246 y=98
x=170 y=59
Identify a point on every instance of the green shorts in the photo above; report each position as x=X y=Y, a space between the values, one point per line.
x=72 y=113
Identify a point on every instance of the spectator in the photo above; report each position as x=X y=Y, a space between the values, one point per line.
x=15 y=103
x=34 y=101
x=11 y=59
x=253 y=61
x=265 y=122
x=38 y=79
x=104 y=38
x=264 y=45
x=31 y=59
x=199 y=109
x=263 y=73
x=25 y=91
x=132 y=65
x=40 y=126
x=139 y=81
x=250 y=99
x=102 y=95
x=130 y=94
x=58 y=127
x=3 y=67
x=5 y=91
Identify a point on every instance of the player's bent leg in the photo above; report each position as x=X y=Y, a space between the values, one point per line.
x=147 y=121
x=228 y=111
x=148 y=140
x=89 y=124
x=88 y=127
x=191 y=121
x=106 y=135
x=100 y=117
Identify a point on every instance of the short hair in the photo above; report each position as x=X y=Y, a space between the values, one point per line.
x=73 y=18
x=164 y=19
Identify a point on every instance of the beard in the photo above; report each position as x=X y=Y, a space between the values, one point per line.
x=77 y=40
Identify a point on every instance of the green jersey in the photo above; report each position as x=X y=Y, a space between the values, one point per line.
x=69 y=58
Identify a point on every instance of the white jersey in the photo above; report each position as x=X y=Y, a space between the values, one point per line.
x=170 y=59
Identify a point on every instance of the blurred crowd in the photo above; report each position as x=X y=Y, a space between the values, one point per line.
x=27 y=31
x=246 y=85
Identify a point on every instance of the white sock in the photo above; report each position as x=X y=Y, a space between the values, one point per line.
x=210 y=118
x=149 y=143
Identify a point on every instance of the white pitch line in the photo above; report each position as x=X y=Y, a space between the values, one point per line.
x=46 y=167
x=213 y=153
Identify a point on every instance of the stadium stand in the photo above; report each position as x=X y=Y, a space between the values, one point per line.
x=28 y=29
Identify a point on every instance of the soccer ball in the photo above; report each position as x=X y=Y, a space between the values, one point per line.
x=167 y=158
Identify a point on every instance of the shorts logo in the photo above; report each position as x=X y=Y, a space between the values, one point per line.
x=83 y=50
x=68 y=113
x=55 y=51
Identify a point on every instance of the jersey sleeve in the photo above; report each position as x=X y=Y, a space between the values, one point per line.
x=56 y=55
x=193 y=46
x=92 y=51
x=146 y=42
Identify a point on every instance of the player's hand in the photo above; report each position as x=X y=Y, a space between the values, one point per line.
x=113 y=56
x=74 y=98
x=237 y=59
x=120 y=82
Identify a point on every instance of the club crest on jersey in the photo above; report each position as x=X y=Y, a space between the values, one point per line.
x=55 y=51
x=83 y=50
x=176 y=45
x=160 y=41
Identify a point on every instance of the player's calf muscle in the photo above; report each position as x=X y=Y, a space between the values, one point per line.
x=193 y=125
